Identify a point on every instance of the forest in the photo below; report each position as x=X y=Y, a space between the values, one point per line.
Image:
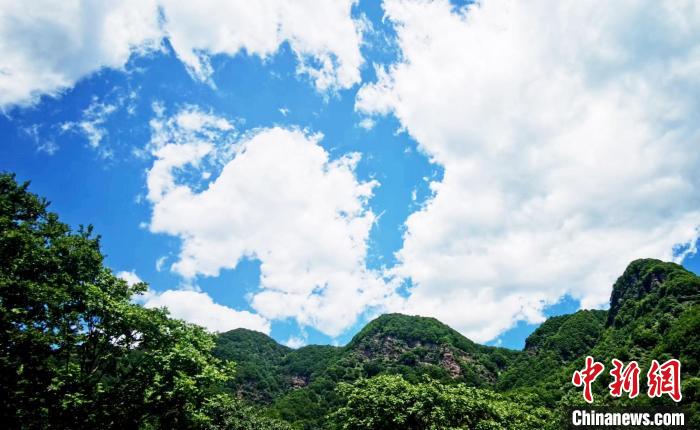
x=78 y=352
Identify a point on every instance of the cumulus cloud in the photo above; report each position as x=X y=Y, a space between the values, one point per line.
x=295 y=342
x=48 y=46
x=198 y=308
x=322 y=35
x=130 y=277
x=569 y=136
x=277 y=197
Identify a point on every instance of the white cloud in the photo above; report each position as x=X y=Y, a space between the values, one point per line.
x=130 y=277
x=160 y=262
x=91 y=125
x=278 y=198
x=43 y=143
x=198 y=308
x=48 y=46
x=295 y=342
x=367 y=123
x=322 y=34
x=569 y=136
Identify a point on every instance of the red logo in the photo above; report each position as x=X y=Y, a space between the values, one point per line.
x=661 y=379
x=587 y=376
x=665 y=379
x=625 y=379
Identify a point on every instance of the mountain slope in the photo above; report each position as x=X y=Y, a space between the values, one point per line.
x=258 y=359
x=392 y=343
x=415 y=346
x=654 y=314
x=300 y=384
x=550 y=348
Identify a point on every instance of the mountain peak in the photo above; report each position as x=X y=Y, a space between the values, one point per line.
x=646 y=277
x=231 y=343
x=568 y=335
x=411 y=329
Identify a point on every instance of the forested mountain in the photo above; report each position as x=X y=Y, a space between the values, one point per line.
x=654 y=314
x=77 y=352
x=300 y=384
x=392 y=343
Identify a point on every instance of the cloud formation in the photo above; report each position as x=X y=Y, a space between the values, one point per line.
x=569 y=136
x=48 y=46
x=568 y=133
x=275 y=196
x=322 y=35
x=295 y=342
x=129 y=276
x=198 y=307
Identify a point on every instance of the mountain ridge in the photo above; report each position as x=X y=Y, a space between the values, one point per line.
x=654 y=314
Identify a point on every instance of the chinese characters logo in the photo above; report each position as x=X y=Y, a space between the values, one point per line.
x=662 y=378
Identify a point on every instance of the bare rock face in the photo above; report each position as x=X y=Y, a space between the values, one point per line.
x=416 y=353
x=412 y=346
x=449 y=363
x=381 y=347
x=299 y=382
x=397 y=342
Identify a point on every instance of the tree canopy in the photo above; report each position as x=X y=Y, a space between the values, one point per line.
x=389 y=402
x=77 y=352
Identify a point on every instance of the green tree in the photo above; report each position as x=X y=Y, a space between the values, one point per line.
x=76 y=352
x=226 y=412
x=390 y=402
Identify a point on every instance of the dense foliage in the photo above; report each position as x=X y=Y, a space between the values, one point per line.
x=389 y=402
x=76 y=352
x=418 y=346
x=557 y=342
x=258 y=357
x=299 y=385
x=654 y=314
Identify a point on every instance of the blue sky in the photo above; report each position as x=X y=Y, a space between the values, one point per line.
x=440 y=180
